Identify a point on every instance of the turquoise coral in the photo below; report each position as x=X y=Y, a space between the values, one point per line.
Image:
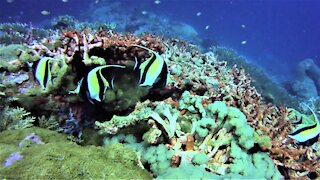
x=251 y=165
x=204 y=126
x=159 y=159
x=214 y=124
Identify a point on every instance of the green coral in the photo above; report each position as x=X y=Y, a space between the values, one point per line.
x=192 y=103
x=118 y=122
x=204 y=126
x=250 y=165
x=165 y=115
x=200 y=158
x=263 y=140
x=15 y=119
x=60 y=74
x=220 y=109
x=152 y=135
x=188 y=171
x=263 y=161
x=234 y=119
x=169 y=120
x=28 y=56
x=159 y=158
x=237 y=120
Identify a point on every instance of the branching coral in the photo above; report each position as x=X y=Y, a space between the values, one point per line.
x=18 y=33
x=270 y=90
x=15 y=119
x=297 y=157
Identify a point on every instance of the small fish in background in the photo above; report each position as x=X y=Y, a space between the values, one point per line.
x=43 y=72
x=199 y=13
x=207 y=27
x=244 y=42
x=97 y=1
x=45 y=12
x=10 y=1
x=157 y=1
x=243 y=26
x=65 y=1
x=154 y=71
x=144 y=12
x=95 y=84
x=307 y=132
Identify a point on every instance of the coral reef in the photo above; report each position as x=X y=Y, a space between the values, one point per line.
x=134 y=21
x=271 y=91
x=209 y=118
x=18 y=33
x=67 y=22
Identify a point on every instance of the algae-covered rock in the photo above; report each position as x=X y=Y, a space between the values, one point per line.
x=58 y=158
x=8 y=57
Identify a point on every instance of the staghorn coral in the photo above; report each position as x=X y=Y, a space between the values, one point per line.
x=300 y=160
x=271 y=91
x=18 y=33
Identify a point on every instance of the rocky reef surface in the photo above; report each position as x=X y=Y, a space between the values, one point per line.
x=209 y=118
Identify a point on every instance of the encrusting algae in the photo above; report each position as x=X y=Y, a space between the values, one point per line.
x=58 y=158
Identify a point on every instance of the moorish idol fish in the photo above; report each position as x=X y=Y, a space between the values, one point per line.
x=43 y=72
x=154 y=71
x=95 y=84
x=294 y=114
x=306 y=132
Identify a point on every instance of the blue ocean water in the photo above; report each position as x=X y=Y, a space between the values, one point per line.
x=275 y=34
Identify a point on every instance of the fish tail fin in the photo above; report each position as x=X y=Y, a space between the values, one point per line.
x=315 y=116
x=136 y=64
x=77 y=90
x=111 y=83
